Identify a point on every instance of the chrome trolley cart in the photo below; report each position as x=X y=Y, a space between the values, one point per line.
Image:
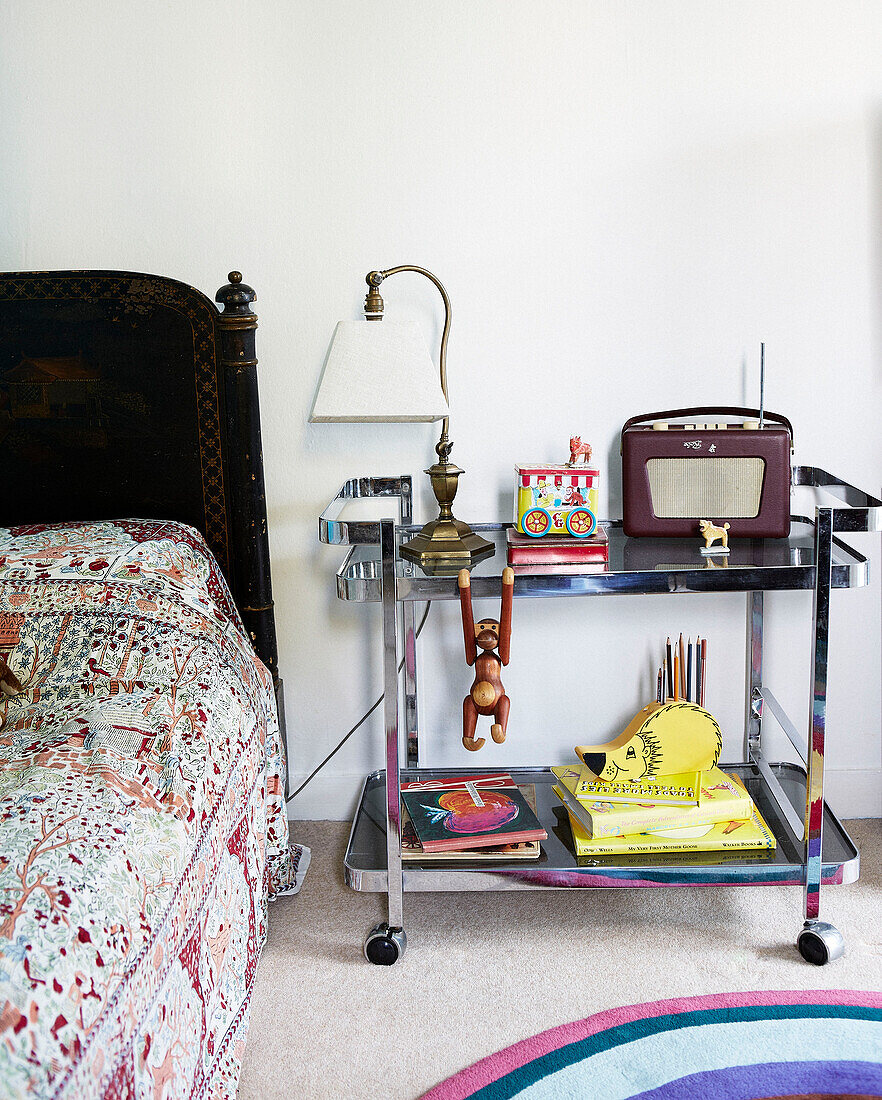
x=812 y=846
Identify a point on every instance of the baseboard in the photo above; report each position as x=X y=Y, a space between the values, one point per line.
x=850 y=792
x=326 y=798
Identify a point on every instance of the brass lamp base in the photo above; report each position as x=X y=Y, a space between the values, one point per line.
x=446 y=543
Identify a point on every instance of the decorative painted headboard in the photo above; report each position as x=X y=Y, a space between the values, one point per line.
x=130 y=395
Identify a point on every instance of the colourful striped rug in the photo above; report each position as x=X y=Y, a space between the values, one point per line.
x=726 y=1046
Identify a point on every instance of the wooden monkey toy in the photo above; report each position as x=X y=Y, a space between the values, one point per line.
x=487 y=695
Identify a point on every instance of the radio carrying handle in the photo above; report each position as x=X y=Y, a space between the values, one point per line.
x=703 y=410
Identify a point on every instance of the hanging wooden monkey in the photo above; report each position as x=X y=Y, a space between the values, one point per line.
x=487 y=695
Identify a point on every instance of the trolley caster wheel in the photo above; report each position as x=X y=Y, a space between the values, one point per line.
x=384 y=945
x=819 y=942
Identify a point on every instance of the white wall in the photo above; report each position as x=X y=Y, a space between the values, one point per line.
x=622 y=200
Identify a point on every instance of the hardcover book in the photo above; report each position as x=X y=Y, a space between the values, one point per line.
x=470 y=817
x=557 y=568
x=675 y=790
x=411 y=849
x=742 y=834
x=526 y=550
x=459 y=782
x=722 y=798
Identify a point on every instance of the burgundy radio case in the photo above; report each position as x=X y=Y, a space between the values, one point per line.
x=674 y=475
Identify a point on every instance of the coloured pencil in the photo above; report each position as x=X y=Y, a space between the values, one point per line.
x=676 y=678
x=703 y=672
x=660 y=687
x=682 y=694
x=670 y=668
x=690 y=698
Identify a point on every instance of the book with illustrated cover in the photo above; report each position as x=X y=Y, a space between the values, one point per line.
x=743 y=834
x=411 y=849
x=723 y=798
x=675 y=790
x=459 y=782
x=470 y=817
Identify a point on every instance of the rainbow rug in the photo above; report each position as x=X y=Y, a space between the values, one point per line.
x=727 y=1046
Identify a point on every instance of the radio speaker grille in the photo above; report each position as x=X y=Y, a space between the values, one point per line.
x=705 y=488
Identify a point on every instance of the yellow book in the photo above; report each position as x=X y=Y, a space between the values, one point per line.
x=722 y=798
x=750 y=833
x=676 y=790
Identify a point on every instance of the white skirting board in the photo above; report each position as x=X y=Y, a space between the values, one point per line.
x=850 y=793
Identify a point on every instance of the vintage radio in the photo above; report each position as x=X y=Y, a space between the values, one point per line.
x=675 y=474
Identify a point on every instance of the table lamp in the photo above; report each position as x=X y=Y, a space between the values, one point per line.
x=381 y=372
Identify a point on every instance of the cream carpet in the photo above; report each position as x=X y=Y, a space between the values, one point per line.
x=482 y=971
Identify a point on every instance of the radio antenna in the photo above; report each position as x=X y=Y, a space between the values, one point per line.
x=762 y=382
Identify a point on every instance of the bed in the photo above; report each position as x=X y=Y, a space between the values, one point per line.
x=142 y=764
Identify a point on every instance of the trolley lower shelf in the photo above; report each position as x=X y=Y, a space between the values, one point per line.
x=558 y=867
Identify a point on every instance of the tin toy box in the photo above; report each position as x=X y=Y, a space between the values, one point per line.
x=556 y=500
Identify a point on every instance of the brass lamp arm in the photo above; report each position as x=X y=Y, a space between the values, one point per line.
x=373 y=308
x=445 y=543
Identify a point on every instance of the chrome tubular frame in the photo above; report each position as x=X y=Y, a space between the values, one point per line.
x=814 y=804
x=373 y=571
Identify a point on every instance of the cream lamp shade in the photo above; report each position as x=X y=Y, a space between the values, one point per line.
x=378 y=371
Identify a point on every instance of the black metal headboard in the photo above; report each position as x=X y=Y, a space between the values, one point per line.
x=123 y=395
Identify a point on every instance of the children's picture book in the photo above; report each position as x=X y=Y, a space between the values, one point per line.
x=411 y=849
x=722 y=798
x=681 y=859
x=749 y=833
x=676 y=790
x=471 y=817
x=459 y=782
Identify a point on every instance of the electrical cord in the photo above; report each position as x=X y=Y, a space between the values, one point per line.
x=359 y=723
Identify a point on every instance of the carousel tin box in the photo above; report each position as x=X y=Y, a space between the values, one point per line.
x=558 y=499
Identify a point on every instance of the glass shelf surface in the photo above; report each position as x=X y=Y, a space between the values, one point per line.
x=636 y=565
x=558 y=867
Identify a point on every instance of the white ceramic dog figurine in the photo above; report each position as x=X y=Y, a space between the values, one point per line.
x=712 y=533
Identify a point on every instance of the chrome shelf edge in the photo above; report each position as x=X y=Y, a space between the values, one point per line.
x=606 y=874
x=861 y=511
x=338 y=532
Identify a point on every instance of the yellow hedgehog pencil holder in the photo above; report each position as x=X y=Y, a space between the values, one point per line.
x=661 y=739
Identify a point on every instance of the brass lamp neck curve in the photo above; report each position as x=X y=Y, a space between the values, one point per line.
x=445 y=543
x=373 y=309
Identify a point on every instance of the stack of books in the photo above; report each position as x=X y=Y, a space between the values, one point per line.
x=707 y=811
x=558 y=553
x=475 y=817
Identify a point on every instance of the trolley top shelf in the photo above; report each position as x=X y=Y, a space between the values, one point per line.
x=639 y=566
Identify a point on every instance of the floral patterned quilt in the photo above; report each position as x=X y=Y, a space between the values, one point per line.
x=143 y=816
